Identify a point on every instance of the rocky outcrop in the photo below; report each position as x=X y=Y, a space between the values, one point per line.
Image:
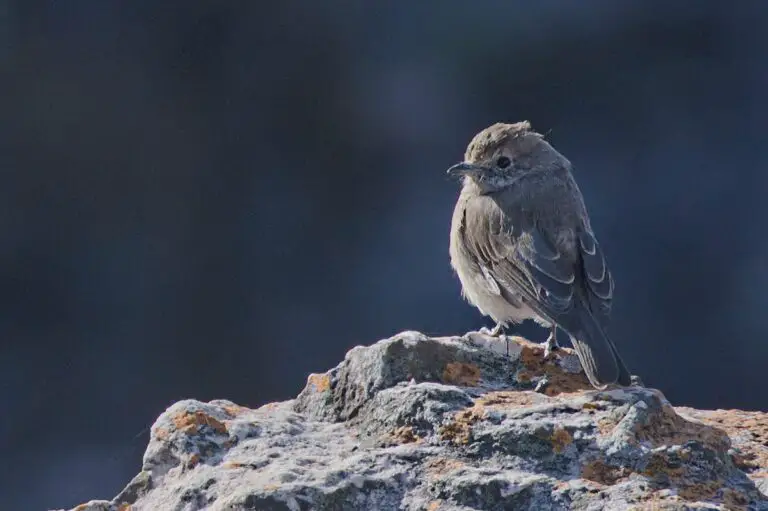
x=453 y=423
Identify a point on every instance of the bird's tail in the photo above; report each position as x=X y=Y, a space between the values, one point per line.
x=598 y=355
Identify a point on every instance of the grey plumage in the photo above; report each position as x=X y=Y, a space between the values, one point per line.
x=522 y=245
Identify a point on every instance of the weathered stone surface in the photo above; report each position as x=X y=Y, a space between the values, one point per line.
x=420 y=423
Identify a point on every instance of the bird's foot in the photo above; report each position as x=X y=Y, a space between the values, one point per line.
x=494 y=332
x=550 y=345
x=541 y=386
x=497 y=331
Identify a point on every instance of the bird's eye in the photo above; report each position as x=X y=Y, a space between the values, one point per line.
x=503 y=162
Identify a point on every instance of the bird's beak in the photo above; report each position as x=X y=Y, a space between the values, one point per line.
x=463 y=169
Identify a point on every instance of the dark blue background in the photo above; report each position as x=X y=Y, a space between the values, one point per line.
x=213 y=199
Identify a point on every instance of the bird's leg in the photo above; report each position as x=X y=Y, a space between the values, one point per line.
x=550 y=344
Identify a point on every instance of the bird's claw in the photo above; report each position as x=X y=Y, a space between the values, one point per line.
x=550 y=345
x=542 y=385
x=493 y=332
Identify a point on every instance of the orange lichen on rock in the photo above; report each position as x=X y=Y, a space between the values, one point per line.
x=561 y=439
x=749 y=431
x=234 y=410
x=666 y=471
x=403 y=435
x=190 y=422
x=442 y=466
x=600 y=472
x=193 y=460
x=434 y=505
x=605 y=425
x=660 y=467
x=734 y=500
x=699 y=492
x=536 y=366
x=319 y=382
x=268 y=407
x=523 y=376
x=510 y=399
x=160 y=433
x=459 y=429
x=669 y=428
x=458 y=373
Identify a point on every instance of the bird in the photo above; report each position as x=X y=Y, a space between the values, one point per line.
x=522 y=246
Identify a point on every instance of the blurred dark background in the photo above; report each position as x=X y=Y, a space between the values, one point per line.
x=213 y=199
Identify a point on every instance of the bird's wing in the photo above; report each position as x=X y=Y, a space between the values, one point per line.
x=573 y=290
x=523 y=260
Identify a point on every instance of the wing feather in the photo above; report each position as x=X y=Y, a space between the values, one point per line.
x=598 y=278
x=515 y=254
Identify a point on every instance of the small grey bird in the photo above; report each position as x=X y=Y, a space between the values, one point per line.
x=522 y=246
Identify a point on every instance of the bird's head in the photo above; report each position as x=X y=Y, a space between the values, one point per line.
x=502 y=153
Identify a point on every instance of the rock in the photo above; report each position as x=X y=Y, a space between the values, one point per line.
x=451 y=423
